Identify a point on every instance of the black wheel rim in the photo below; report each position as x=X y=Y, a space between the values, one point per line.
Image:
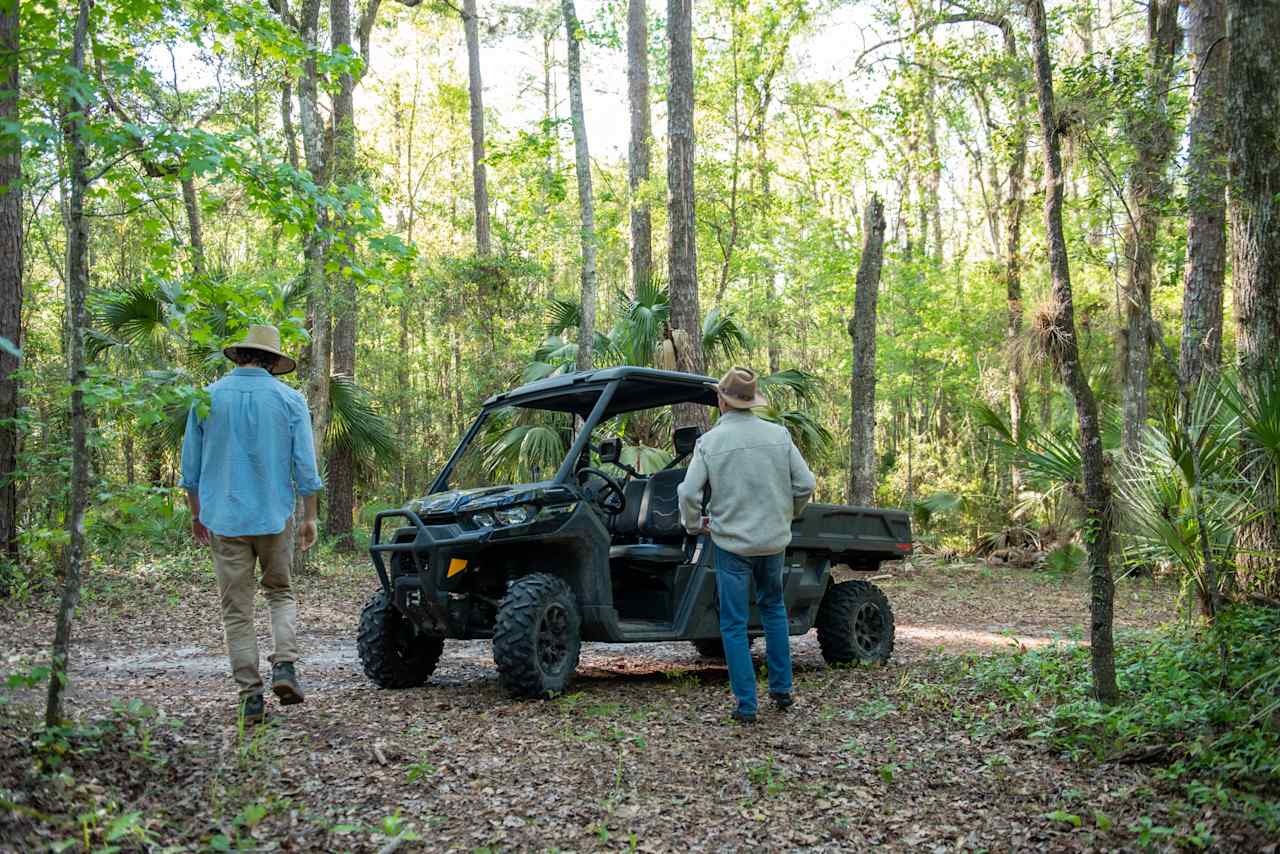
x=403 y=637
x=868 y=629
x=553 y=639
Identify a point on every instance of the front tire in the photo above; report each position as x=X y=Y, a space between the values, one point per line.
x=855 y=623
x=537 y=636
x=393 y=654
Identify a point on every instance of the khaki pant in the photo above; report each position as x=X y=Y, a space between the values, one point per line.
x=233 y=563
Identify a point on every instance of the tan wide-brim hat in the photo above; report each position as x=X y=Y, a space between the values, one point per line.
x=737 y=389
x=267 y=339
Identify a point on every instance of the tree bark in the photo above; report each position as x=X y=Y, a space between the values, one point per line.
x=10 y=282
x=286 y=123
x=862 y=386
x=1151 y=135
x=1207 y=50
x=1014 y=207
x=315 y=245
x=1253 y=103
x=682 y=258
x=77 y=287
x=586 y=204
x=638 y=152
x=341 y=486
x=1064 y=350
x=480 y=189
x=191 y=202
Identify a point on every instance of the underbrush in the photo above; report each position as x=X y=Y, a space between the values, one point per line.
x=1203 y=704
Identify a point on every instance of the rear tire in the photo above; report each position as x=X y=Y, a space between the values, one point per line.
x=855 y=623
x=537 y=636
x=393 y=654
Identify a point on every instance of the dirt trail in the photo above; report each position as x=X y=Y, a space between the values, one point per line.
x=637 y=756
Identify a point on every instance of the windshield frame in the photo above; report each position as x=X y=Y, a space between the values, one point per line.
x=565 y=472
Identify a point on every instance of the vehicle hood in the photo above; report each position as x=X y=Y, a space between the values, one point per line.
x=456 y=501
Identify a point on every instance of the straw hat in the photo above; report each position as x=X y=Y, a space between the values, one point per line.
x=737 y=389
x=267 y=339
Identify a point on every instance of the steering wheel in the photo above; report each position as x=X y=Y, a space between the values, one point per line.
x=612 y=499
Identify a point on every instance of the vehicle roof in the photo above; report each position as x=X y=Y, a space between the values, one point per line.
x=641 y=388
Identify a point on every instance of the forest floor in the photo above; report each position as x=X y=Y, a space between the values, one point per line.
x=640 y=756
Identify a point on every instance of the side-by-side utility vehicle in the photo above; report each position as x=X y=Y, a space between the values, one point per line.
x=593 y=551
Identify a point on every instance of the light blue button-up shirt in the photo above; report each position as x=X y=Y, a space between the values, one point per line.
x=251 y=456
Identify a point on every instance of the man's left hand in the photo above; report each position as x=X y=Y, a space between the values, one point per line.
x=307 y=534
x=200 y=532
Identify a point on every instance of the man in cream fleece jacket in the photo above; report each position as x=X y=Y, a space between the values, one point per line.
x=759 y=483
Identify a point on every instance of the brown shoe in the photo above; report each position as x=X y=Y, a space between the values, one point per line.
x=284 y=684
x=253 y=710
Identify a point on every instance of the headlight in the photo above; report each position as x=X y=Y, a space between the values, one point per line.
x=484 y=519
x=516 y=515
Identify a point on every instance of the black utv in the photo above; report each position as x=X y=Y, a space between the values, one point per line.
x=595 y=551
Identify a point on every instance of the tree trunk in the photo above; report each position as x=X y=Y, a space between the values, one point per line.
x=1253 y=103
x=1065 y=353
x=480 y=190
x=1206 y=193
x=10 y=282
x=341 y=486
x=587 y=326
x=77 y=286
x=1151 y=135
x=286 y=123
x=932 y=175
x=191 y=202
x=638 y=153
x=315 y=245
x=1014 y=206
x=862 y=386
x=682 y=258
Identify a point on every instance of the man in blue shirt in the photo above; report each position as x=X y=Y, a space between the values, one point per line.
x=243 y=466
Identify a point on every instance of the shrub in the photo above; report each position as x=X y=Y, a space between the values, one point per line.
x=1199 y=702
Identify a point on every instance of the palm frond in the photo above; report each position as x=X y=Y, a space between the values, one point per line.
x=294 y=292
x=985 y=416
x=1258 y=409
x=810 y=436
x=563 y=315
x=132 y=316
x=1051 y=457
x=640 y=323
x=926 y=508
x=644 y=459
x=354 y=424
x=802 y=385
x=723 y=335
x=514 y=451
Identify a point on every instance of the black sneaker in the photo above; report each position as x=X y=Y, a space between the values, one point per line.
x=742 y=717
x=782 y=701
x=284 y=684
x=253 y=710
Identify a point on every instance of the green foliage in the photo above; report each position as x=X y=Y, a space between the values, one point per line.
x=1065 y=559
x=1203 y=703
x=354 y=424
x=923 y=511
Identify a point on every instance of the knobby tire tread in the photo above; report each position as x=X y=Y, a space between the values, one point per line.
x=835 y=622
x=385 y=664
x=515 y=635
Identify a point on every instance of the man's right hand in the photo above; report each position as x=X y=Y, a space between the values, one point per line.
x=307 y=534
x=200 y=532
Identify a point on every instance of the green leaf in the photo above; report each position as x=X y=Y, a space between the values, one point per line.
x=1064 y=817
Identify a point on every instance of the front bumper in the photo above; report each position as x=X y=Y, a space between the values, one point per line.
x=420 y=555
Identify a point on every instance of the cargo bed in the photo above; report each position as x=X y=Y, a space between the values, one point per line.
x=861 y=537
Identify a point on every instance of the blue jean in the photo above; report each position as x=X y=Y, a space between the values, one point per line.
x=733 y=576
